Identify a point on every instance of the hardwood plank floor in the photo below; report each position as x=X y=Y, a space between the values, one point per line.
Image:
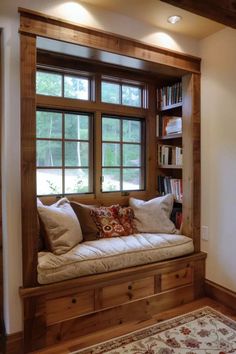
x=85 y=341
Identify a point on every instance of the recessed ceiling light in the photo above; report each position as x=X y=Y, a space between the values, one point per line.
x=174 y=19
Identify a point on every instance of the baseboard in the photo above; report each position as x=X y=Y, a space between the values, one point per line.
x=217 y=292
x=13 y=343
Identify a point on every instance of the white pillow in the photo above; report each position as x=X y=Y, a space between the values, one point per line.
x=62 y=227
x=153 y=216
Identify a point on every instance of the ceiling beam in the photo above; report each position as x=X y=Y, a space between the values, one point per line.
x=223 y=11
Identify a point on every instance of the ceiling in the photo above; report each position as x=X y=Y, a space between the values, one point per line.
x=155 y=13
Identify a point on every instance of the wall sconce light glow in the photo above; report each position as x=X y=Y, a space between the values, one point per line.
x=75 y=12
x=174 y=19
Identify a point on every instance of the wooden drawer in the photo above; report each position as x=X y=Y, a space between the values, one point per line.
x=125 y=292
x=177 y=278
x=69 y=306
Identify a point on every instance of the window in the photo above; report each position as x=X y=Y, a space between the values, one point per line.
x=63 y=85
x=122 y=154
x=124 y=94
x=75 y=126
x=64 y=152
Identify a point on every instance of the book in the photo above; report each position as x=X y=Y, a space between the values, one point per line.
x=171 y=125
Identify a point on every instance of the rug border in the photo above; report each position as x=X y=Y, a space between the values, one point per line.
x=209 y=308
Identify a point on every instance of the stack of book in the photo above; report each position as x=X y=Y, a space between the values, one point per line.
x=168 y=125
x=177 y=217
x=170 y=95
x=170 y=185
x=170 y=155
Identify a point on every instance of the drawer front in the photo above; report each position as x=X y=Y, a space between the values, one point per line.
x=128 y=291
x=177 y=278
x=69 y=306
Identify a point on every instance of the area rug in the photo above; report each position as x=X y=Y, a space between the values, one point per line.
x=204 y=331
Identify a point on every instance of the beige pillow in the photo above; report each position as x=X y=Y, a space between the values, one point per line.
x=88 y=226
x=62 y=227
x=153 y=216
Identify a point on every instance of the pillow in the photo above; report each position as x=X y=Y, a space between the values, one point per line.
x=153 y=216
x=126 y=218
x=107 y=221
x=89 y=229
x=62 y=227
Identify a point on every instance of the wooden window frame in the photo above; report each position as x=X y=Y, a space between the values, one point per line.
x=121 y=167
x=63 y=140
x=152 y=59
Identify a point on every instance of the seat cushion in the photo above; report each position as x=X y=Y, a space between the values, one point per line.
x=109 y=254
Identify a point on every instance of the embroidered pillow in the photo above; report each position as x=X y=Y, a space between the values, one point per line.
x=126 y=217
x=153 y=216
x=62 y=227
x=107 y=221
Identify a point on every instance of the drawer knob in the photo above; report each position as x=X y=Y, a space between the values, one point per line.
x=74 y=301
x=130 y=287
x=177 y=276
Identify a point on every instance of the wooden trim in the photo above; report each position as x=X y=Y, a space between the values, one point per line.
x=28 y=159
x=1 y=250
x=217 y=292
x=114 y=277
x=191 y=158
x=13 y=343
x=43 y=25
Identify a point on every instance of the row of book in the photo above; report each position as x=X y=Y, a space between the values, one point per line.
x=168 y=125
x=166 y=185
x=170 y=155
x=170 y=95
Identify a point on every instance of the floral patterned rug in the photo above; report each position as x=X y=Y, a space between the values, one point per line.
x=204 y=331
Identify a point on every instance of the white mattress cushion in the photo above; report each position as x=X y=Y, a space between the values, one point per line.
x=109 y=254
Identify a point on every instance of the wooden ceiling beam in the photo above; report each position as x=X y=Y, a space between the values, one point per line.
x=223 y=11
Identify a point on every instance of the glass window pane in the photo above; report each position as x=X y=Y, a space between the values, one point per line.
x=110 y=92
x=49 y=153
x=131 y=179
x=110 y=129
x=76 y=127
x=111 y=179
x=131 y=155
x=49 y=181
x=110 y=154
x=131 y=96
x=76 y=180
x=49 y=84
x=76 y=87
x=132 y=131
x=76 y=154
x=49 y=125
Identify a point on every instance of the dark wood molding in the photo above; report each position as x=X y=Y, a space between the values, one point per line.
x=39 y=24
x=13 y=343
x=222 y=11
x=217 y=292
x=28 y=158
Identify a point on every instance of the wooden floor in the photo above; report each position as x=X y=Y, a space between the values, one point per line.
x=89 y=340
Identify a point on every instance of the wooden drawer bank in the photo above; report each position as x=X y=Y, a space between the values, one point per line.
x=62 y=311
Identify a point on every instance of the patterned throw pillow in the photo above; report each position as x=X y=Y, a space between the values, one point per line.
x=107 y=221
x=126 y=217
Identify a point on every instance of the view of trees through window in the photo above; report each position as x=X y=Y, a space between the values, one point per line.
x=63 y=146
x=122 y=164
x=64 y=139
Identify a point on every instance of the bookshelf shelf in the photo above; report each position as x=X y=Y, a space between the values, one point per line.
x=172 y=167
x=171 y=106
x=171 y=136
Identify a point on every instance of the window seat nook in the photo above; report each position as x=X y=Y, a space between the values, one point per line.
x=111 y=254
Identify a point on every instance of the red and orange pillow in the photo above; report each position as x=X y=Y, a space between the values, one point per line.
x=114 y=221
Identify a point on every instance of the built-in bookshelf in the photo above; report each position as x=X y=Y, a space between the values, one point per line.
x=169 y=145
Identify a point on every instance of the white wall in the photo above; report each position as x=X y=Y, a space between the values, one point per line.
x=9 y=21
x=218 y=117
